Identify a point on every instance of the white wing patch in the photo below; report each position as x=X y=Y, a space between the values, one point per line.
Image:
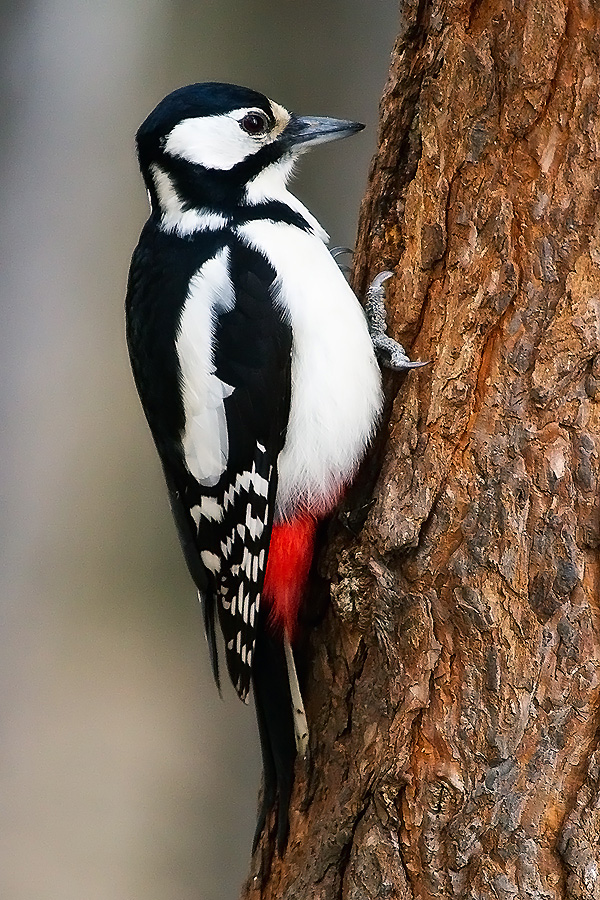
x=205 y=439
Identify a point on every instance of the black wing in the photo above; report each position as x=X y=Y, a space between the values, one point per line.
x=225 y=528
x=253 y=356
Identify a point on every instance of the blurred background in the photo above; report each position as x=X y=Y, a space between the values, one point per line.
x=123 y=776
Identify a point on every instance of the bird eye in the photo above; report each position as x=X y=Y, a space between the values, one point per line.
x=254 y=123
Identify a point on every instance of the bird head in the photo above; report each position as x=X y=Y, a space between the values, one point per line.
x=207 y=145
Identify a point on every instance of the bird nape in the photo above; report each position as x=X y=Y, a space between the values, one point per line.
x=257 y=373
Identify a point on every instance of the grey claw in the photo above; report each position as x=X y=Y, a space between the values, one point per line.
x=339 y=251
x=377 y=284
x=392 y=354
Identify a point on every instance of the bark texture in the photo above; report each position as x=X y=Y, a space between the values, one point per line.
x=453 y=686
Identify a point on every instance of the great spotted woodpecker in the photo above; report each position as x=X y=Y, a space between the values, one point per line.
x=258 y=376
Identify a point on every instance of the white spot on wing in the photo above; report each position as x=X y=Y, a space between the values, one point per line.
x=211 y=561
x=255 y=526
x=253 y=611
x=228 y=496
x=226 y=546
x=211 y=509
x=245 y=608
x=243 y=481
x=261 y=485
x=247 y=563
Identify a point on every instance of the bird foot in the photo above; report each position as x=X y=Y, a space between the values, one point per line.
x=392 y=354
x=337 y=252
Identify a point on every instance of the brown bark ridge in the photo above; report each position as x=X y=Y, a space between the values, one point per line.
x=453 y=686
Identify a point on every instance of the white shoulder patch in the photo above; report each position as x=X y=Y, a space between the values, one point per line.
x=205 y=439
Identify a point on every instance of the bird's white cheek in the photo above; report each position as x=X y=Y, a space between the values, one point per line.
x=215 y=142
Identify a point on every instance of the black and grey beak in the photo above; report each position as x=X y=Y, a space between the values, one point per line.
x=305 y=130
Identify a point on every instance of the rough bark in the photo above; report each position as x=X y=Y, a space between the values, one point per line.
x=453 y=684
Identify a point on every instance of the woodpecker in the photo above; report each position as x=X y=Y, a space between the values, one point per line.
x=258 y=375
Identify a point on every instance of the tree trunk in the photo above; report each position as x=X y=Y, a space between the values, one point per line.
x=453 y=684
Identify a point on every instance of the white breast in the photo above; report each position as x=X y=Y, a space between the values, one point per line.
x=336 y=383
x=205 y=440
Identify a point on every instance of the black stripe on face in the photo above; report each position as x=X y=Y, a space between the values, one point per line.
x=220 y=189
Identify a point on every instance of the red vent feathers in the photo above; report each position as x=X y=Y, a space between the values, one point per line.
x=288 y=564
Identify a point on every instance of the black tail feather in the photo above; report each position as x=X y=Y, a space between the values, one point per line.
x=208 y=608
x=269 y=788
x=276 y=729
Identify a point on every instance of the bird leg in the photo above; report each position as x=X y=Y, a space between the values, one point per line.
x=392 y=354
